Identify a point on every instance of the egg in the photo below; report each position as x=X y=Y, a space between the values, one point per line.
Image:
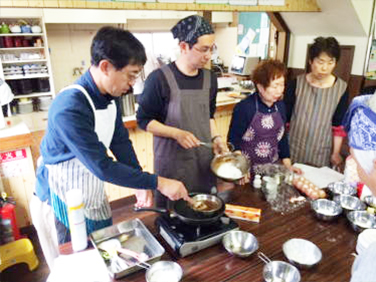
x=314 y=195
x=322 y=194
x=299 y=185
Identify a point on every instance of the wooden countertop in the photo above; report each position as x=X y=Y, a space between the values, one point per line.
x=335 y=239
x=14 y=136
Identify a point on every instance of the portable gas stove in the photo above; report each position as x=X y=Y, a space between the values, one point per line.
x=187 y=239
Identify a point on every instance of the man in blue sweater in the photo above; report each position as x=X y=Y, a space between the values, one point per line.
x=84 y=121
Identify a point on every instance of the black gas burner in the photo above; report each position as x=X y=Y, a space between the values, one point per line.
x=187 y=239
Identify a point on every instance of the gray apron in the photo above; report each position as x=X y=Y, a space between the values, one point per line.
x=188 y=110
x=311 y=138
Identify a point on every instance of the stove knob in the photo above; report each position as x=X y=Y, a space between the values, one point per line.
x=173 y=227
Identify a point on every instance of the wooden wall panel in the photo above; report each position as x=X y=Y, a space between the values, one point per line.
x=21 y=188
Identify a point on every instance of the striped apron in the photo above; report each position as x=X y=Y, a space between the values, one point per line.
x=311 y=138
x=72 y=174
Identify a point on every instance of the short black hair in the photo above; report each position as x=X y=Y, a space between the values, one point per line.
x=329 y=45
x=118 y=46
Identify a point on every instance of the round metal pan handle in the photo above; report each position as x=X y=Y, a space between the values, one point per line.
x=159 y=210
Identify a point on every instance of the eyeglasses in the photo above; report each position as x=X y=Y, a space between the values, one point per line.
x=204 y=50
x=133 y=76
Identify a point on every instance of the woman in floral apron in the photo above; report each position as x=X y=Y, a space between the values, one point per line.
x=257 y=127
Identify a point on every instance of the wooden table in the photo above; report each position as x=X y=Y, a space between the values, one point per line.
x=335 y=239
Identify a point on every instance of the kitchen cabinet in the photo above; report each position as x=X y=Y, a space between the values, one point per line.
x=25 y=60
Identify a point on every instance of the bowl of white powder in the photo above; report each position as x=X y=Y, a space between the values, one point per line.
x=230 y=166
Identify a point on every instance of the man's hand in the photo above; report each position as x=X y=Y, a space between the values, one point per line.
x=144 y=198
x=186 y=139
x=172 y=189
x=219 y=147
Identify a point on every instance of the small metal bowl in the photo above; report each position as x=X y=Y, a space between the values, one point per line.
x=370 y=200
x=341 y=188
x=350 y=203
x=163 y=270
x=280 y=271
x=326 y=210
x=240 y=243
x=302 y=253
x=230 y=166
x=361 y=220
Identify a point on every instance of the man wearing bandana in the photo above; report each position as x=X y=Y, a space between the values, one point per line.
x=360 y=122
x=177 y=106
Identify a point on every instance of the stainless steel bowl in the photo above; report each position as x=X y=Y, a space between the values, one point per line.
x=370 y=200
x=325 y=209
x=349 y=203
x=230 y=166
x=302 y=253
x=240 y=243
x=280 y=271
x=341 y=188
x=361 y=220
x=164 y=271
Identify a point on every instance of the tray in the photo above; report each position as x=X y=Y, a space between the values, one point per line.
x=139 y=240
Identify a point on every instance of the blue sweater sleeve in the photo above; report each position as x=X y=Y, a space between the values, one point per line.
x=121 y=146
x=73 y=124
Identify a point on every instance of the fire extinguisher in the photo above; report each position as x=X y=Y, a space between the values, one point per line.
x=8 y=225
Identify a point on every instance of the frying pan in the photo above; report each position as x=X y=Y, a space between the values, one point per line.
x=186 y=214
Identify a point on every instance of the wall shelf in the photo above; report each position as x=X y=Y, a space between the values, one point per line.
x=21 y=48
x=15 y=77
x=32 y=95
x=25 y=61
x=21 y=34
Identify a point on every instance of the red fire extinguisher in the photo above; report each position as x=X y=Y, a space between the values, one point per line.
x=8 y=225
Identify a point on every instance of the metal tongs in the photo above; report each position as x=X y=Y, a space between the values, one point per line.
x=113 y=247
x=207 y=144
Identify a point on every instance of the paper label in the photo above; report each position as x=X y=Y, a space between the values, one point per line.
x=13 y=163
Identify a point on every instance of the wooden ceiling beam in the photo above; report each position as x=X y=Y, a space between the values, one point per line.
x=290 y=6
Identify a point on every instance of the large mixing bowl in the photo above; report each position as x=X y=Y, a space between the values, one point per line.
x=240 y=243
x=230 y=166
x=325 y=209
x=302 y=253
x=361 y=220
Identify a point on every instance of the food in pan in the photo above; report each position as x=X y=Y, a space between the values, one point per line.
x=204 y=205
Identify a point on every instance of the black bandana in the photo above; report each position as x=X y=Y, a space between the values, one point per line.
x=191 y=28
